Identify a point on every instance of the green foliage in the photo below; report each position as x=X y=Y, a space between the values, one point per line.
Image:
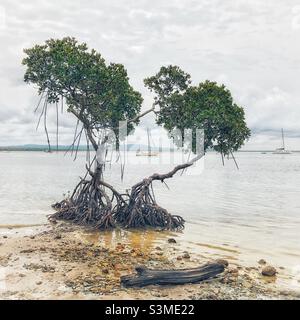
x=99 y=94
x=208 y=106
x=169 y=80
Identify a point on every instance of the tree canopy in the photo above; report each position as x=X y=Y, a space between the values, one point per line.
x=207 y=106
x=97 y=93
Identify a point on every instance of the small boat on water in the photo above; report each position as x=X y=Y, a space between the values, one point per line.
x=282 y=149
x=148 y=153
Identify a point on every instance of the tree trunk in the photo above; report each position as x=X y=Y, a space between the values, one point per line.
x=145 y=277
x=92 y=203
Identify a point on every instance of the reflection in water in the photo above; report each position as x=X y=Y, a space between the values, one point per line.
x=210 y=246
x=144 y=240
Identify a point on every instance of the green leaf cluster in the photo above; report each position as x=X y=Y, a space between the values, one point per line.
x=207 y=106
x=99 y=94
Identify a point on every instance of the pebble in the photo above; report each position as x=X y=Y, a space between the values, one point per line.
x=284 y=293
x=224 y=262
x=105 y=271
x=269 y=271
x=117 y=266
x=58 y=236
x=172 y=240
x=39 y=283
x=216 y=291
x=233 y=270
x=120 y=246
x=5 y=237
x=158 y=248
x=186 y=256
x=247 y=285
x=53 y=221
x=262 y=262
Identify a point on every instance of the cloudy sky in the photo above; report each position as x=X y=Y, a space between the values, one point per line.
x=252 y=47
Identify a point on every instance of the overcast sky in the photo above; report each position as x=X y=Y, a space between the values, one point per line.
x=252 y=47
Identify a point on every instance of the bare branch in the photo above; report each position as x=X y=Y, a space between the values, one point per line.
x=42 y=112
x=41 y=98
x=56 y=105
x=140 y=115
x=171 y=173
x=234 y=160
x=75 y=137
x=78 y=144
x=45 y=127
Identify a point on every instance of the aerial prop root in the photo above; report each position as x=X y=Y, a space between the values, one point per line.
x=143 y=211
x=92 y=203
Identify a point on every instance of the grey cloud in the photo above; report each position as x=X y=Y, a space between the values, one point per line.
x=251 y=46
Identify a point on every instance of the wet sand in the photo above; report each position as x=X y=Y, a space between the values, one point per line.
x=64 y=261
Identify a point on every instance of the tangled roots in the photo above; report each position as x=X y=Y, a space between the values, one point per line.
x=91 y=204
x=97 y=204
x=143 y=211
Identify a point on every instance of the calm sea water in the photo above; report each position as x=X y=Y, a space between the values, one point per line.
x=244 y=214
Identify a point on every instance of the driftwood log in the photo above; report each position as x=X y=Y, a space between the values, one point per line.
x=145 y=277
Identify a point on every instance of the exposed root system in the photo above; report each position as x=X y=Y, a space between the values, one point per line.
x=143 y=211
x=92 y=203
x=96 y=203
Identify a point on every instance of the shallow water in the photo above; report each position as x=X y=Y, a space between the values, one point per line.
x=243 y=215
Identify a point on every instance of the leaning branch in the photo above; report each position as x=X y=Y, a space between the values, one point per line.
x=87 y=129
x=170 y=174
x=140 y=115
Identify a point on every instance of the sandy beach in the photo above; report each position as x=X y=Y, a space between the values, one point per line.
x=64 y=261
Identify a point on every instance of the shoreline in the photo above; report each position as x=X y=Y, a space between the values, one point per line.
x=64 y=261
